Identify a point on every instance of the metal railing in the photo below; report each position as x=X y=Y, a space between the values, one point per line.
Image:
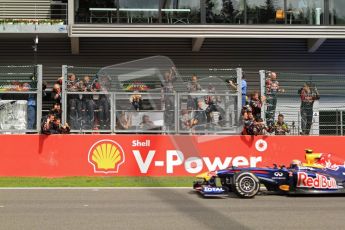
x=44 y=12
x=177 y=113
x=109 y=108
x=20 y=98
x=59 y=11
x=312 y=104
x=108 y=103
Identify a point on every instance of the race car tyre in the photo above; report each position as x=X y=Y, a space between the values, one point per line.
x=246 y=185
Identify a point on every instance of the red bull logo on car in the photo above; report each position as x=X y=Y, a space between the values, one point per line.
x=320 y=181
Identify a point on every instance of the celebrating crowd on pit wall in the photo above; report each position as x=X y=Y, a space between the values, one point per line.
x=251 y=112
x=90 y=112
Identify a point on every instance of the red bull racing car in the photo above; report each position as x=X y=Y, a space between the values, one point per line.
x=315 y=176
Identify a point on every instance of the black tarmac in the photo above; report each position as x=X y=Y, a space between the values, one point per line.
x=163 y=209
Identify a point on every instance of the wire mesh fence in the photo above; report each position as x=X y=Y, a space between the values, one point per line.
x=20 y=98
x=151 y=96
x=312 y=104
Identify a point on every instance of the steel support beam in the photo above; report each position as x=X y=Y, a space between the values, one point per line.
x=314 y=44
x=70 y=12
x=202 y=31
x=75 y=45
x=197 y=44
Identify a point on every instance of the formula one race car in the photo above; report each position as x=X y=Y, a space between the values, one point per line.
x=316 y=176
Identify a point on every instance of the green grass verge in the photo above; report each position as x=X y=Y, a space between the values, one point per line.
x=97 y=182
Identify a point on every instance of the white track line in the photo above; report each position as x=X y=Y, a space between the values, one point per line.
x=92 y=188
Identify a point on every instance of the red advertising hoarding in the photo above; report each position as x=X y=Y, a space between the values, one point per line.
x=151 y=155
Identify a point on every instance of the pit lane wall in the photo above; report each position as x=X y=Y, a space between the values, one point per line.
x=151 y=155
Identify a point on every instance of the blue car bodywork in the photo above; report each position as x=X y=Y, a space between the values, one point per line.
x=296 y=179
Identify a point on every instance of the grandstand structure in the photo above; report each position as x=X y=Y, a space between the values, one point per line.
x=300 y=40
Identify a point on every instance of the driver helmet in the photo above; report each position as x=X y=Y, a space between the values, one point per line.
x=295 y=163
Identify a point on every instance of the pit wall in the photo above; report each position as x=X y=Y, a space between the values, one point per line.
x=152 y=155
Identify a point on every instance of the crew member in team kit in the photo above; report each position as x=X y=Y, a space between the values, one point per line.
x=272 y=89
x=309 y=94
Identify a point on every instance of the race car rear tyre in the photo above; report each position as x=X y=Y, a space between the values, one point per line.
x=246 y=185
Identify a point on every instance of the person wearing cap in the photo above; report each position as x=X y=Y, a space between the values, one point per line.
x=308 y=97
x=280 y=127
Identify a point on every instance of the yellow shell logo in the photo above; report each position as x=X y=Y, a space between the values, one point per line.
x=106 y=156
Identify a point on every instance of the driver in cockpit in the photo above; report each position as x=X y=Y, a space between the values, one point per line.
x=295 y=164
x=315 y=160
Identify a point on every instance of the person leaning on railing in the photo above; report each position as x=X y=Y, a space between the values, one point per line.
x=260 y=127
x=60 y=128
x=48 y=126
x=56 y=110
x=52 y=125
x=280 y=127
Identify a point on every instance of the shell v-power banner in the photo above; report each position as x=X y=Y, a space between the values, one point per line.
x=152 y=155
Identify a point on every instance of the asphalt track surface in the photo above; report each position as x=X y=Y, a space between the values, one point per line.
x=163 y=209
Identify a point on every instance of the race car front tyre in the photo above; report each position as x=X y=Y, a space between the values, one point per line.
x=246 y=185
